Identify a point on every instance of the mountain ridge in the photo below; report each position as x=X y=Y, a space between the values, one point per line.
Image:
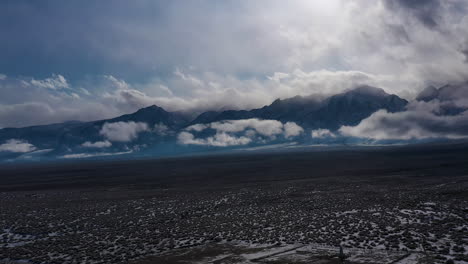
x=153 y=128
x=328 y=113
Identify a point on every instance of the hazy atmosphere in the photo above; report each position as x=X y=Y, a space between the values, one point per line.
x=234 y=131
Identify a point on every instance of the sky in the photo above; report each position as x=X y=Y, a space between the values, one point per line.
x=90 y=60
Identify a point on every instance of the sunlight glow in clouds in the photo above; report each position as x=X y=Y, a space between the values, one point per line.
x=214 y=55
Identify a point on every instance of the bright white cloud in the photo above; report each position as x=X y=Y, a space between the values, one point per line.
x=268 y=128
x=321 y=133
x=197 y=127
x=123 y=131
x=291 y=129
x=218 y=140
x=16 y=145
x=98 y=144
x=227 y=132
x=263 y=127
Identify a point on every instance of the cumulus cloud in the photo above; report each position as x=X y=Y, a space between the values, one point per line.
x=123 y=131
x=239 y=132
x=263 y=127
x=409 y=125
x=438 y=113
x=197 y=127
x=291 y=129
x=218 y=140
x=97 y=144
x=268 y=128
x=16 y=145
x=322 y=133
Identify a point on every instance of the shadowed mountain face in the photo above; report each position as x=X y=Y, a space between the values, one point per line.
x=70 y=134
x=154 y=130
x=153 y=115
x=347 y=108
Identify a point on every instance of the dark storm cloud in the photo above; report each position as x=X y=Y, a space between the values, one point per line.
x=426 y=11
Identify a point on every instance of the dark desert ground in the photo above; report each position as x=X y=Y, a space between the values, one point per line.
x=401 y=204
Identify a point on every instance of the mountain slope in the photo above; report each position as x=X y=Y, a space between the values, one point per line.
x=347 y=108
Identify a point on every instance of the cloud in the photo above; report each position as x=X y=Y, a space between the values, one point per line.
x=322 y=133
x=98 y=144
x=89 y=155
x=56 y=82
x=24 y=104
x=272 y=146
x=2 y=76
x=426 y=11
x=239 y=132
x=16 y=145
x=197 y=127
x=291 y=129
x=34 y=155
x=263 y=127
x=112 y=97
x=409 y=125
x=19 y=115
x=268 y=128
x=218 y=140
x=196 y=92
x=161 y=129
x=233 y=55
x=123 y=131
x=38 y=113
x=437 y=113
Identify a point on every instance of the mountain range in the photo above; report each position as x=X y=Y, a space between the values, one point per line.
x=347 y=108
x=155 y=131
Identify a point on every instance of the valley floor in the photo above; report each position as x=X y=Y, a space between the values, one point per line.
x=399 y=205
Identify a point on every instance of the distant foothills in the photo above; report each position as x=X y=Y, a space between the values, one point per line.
x=363 y=115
